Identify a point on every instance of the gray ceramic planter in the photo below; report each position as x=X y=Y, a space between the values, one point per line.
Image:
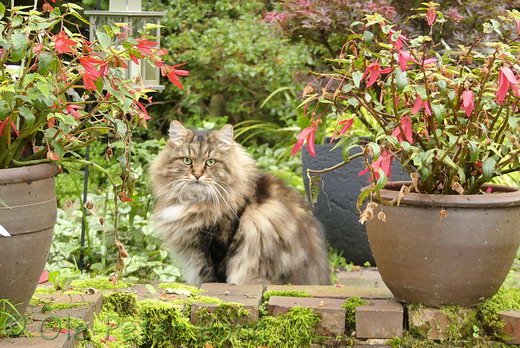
x=29 y=193
x=336 y=206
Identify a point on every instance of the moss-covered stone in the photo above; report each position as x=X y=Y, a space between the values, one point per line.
x=122 y=303
x=179 y=286
x=350 y=312
x=505 y=299
x=99 y=283
x=262 y=310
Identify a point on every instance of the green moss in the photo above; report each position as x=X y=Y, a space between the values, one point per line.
x=289 y=293
x=98 y=283
x=226 y=313
x=123 y=331
x=464 y=324
x=122 y=303
x=49 y=306
x=505 y=299
x=164 y=325
x=45 y=291
x=178 y=286
x=350 y=308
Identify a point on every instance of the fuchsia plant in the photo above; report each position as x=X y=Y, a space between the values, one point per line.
x=449 y=115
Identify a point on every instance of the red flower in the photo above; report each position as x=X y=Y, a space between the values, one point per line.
x=146 y=46
x=506 y=78
x=44 y=277
x=63 y=43
x=72 y=109
x=4 y=123
x=384 y=162
x=46 y=7
x=431 y=15
x=172 y=74
x=374 y=70
x=404 y=58
x=134 y=58
x=419 y=103
x=308 y=134
x=406 y=125
x=468 y=102
x=517 y=21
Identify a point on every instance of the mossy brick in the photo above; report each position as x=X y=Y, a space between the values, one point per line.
x=511 y=327
x=332 y=314
x=379 y=319
x=336 y=291
x=250 y=316
x=439 y=324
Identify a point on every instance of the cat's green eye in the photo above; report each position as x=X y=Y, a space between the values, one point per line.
x=187 y=161
x=211 y=162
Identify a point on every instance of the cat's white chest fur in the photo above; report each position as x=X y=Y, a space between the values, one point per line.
x=174 y=212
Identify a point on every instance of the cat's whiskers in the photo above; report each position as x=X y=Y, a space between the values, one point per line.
x=225 y=201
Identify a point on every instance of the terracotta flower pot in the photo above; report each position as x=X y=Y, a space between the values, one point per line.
x=458 y=257
x=29 y=193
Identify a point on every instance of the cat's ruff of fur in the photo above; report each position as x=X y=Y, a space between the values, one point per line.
x=228 y=222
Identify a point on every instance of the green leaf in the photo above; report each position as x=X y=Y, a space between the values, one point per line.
x=362 y=196
x=20 y=46
x=2 y=10
x=401 y=79
x=27 y=114
x=368 y=36
x=104 y=39
x=381 y=182
x=438 y=111
x=5 y=109
x=376 y=150
x=44 y=63
x=442 y=85
x=356 y=77
x=488 y=167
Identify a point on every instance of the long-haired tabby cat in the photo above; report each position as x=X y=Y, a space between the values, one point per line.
x=225 y=221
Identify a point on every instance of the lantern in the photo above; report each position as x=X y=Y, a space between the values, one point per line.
x=129 y=12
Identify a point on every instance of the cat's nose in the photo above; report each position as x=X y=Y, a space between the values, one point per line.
x=197 y=176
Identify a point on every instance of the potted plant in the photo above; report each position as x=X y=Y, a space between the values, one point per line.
x=58 y=93
x=450 y=117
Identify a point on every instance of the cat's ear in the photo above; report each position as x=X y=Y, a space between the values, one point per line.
x=225 y=134
x=177 y=132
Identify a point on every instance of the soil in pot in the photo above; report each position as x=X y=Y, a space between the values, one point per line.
x=442 y=250
x=27 y=216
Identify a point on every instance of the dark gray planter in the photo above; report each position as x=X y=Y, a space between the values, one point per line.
x=336 y=206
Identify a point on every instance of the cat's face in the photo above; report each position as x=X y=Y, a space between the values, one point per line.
x=198 y=164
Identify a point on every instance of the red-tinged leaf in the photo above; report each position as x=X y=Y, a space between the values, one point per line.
x=297 y=147
x=134 y=58
x=489 y=190
x=509 y=74
x=124 y=198
x=44 y=277
x=310 y=143
x=3 y=124
x=67 y=331
x=468 y=102
x=346 y=125
x=51 y=122
x=431 y=15
x=72 y=109
x=417 y=105
x=52 y=156
x=404 y=58
x=37 y=48
x=15 y=130
x=63 y=43
x=89 y=82
x=145 y=46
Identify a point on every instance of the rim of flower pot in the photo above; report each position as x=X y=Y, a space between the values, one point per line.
x=500 y=197
x=28 y=173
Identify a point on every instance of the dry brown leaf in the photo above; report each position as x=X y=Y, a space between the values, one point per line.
x=402 y=193
x=381 y=216
x=443 y=213
x=457 y=187
x=415 y=181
